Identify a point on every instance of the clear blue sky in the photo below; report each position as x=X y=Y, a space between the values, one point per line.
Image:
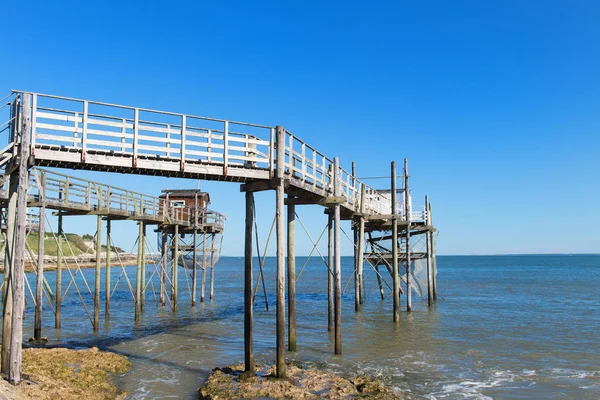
x=495 y=103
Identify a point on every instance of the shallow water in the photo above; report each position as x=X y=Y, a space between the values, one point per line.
x=508 y=327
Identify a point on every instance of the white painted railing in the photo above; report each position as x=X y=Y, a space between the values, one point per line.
x=87 y=127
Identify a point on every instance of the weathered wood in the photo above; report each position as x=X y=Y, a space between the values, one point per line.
x=291 y=277
x=194 y=267
x=407 y=208
x=96 y=322
x=428 y=250
x=361 y=245
x=395 y=274
x=175 y=268
x=163 y=269
x=18 y=256
x=59 y=268
x=107 y=266
x=143 y=258
x=337 y=261
x=434 y=258
x=39 y=289
x=248 y=311
x=9 y=250
x=330 y=272
x=212 y=265
x=280 y=236
x=203 y=267
x=138 y=272
x=356 y=279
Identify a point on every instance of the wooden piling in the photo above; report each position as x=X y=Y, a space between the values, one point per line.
x=39 y=289
x=434 y=259
x=59 y=261
x=175 y=268
x=407 y=207
x=356 y=279
x=337 y=260
x=248 y=330
x=194 y=267
x=8 y=272
x=212 y=265
x=18 y=256
x=291 y=278
x=280 y=228
x=163 y=268
x=203 y=267
x=428 y=251
x=330 y=272
x=138 y=272
x=395 y=274
x=96 y=323
x=107 y=283
x=143 y=294
x=361 y=245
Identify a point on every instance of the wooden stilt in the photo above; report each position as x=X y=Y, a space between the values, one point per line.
x=212 y=265
x=407 y=207
x=107 y=287
x=194 y=267
x=39 y=290
x=395 y=274
x=59 y=262
x=330 y=272
x=96 y=323
x=428 y=250
x=248 y=334
x=361 y=244
x=203 y=267
x=138 y=275
x=8 y=272
x=21 y=175
x=175 y=267
x=337 y=261
x=280 y=230
x=433 y=259
x=291 y=278
x=163 y=268
x=356 y=278
x=143 y=295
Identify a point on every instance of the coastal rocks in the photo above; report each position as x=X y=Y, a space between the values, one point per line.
x=67 y=374
x=301 y=383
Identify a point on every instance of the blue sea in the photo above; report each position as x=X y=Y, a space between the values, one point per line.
x=504 y=327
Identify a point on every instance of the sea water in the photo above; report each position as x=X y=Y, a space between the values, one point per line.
x=504 y=327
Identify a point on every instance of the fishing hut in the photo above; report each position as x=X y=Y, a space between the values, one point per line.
x=61 y=132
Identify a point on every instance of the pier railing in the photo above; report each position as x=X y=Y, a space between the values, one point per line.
x=78 y=129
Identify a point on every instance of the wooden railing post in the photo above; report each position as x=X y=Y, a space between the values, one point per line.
x=84 y=132
x=182 y=153
x=225 y=147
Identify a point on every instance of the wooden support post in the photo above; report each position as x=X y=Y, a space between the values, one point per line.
x=428 y=250
x=39 y=289
x=59 y=261
x=212 y=265
x=8 y=272
x=194 y=267
x=291 y=278
x=203 y=267
x=379 y=283
x=395 y=274
x=21 y=176
x=248 y=329
x=138 y=272
x=361 y=245
x=407 y=207
x=280 y=230
x=434 y=259
x=330 y=272
x=356 y=279
x=175 y=267
x=96 y=323
x=163 y=268
x=337 y=260
x=107 y=285
x=143 y=296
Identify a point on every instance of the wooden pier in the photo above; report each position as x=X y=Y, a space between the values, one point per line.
x=62 y=132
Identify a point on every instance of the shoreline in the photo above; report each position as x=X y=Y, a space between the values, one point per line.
x=83 y=260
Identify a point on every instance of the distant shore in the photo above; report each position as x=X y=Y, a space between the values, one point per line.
x=83 y=260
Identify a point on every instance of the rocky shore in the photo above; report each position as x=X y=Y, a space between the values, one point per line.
x=301 y=383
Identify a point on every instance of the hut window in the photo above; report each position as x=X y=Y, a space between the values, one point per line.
x=177 y=203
